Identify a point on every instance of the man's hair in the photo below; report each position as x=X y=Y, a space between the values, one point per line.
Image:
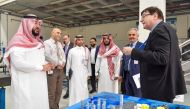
x=137 y=31
x=93 y=38
x=79 y=36
x=153 y=10
x=66 y=35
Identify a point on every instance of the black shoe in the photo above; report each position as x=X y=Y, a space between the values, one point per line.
x=66 y=96
x=92 y=91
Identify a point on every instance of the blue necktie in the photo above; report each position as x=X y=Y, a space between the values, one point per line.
x=129 y=62
x=66 y=49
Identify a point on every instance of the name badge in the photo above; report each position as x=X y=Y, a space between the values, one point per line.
x=136 y=62
x=50 y=72
x=85 y=62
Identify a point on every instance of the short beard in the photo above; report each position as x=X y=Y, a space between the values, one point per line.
x=34 y=33
x=107 y=44
x=79 y=45
x=92 y=45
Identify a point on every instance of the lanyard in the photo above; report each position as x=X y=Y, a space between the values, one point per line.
x=143 y=44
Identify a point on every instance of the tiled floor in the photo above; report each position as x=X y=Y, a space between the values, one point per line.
x=64 y=102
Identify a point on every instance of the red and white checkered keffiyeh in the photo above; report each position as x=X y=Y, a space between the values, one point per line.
x=113 y=51
x=23 y=38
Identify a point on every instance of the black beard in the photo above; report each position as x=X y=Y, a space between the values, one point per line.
x=107 y=44
x=92 y=45
x=34 y=33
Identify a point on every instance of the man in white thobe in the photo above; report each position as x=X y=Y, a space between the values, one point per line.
x=108 y=65
x=26 y=61
x=79 y=62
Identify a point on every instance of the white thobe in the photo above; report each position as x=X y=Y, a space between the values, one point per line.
x=78 y=85
x=105 y=84
x=28 y=81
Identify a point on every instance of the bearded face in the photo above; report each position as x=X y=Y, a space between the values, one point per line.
x=35 y=31
x=36 y=28
x=92 y=43
x=106 y=40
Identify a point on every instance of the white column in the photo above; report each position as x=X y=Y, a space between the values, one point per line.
x=4 y=29
x=161 y=4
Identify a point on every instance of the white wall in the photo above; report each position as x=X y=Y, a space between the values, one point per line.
x=3 y=28
x=118 y=29
x=10 y=24
x=161 y=4
x=183 y=23
x=13 y=24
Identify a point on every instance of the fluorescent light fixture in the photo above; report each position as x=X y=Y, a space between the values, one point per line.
x=183 y=4
x=25 y=10
x=4 y=2
x=108 y=6
x=57 y=1
x=49 y=17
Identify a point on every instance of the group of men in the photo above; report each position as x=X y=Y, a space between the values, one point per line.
x=37 y=67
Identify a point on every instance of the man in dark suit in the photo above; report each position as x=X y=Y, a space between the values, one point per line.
x=130 y=68
x=160 y=67
x=67 y=46
x=93 y=55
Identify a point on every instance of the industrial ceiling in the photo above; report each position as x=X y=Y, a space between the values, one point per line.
x=73 y=13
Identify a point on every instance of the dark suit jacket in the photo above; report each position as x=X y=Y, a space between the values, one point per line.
x=71 y=45
x=161 y=72
x=134 y=68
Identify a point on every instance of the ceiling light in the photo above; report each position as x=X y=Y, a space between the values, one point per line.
x=108 y=6
x=49 y=17
x=183 y=4
x=70 y=21
x=57 y=1
x=25 y=10
x=5 y=2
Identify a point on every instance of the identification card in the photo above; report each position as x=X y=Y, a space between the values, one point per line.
x=85 y=62
x=136 y=62
x=50 y=72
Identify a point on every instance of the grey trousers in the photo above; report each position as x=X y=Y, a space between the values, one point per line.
x=55 y=81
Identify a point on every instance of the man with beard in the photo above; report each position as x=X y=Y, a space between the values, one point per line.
x=93 y=55
x=108 y=65
x=79 y=62
x=26 y=60
x=67 y=46
x=54 y=54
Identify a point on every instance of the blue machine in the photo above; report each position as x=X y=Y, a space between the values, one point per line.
x=2 y=98
x=114 y=100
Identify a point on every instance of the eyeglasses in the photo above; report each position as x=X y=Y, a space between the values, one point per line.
x=143 y=16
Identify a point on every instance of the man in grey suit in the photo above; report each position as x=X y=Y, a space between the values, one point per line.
x=161 y=73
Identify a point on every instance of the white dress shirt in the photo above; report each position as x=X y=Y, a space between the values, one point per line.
x=54 y=52
x=92 y=55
